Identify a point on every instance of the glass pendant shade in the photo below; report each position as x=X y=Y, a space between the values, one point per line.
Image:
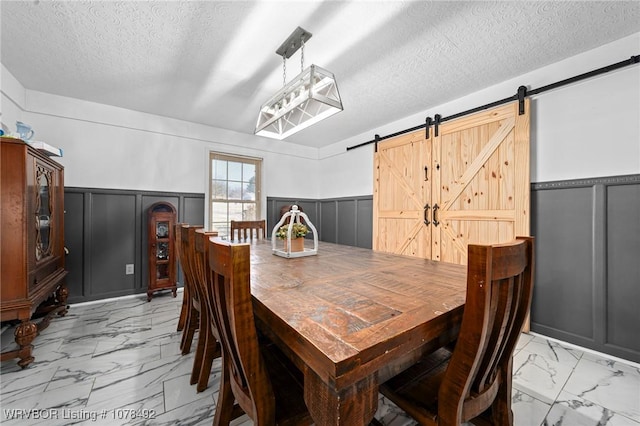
x=310 y=97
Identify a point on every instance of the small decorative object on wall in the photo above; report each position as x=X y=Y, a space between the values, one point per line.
x=293 y=234
x=162 y=261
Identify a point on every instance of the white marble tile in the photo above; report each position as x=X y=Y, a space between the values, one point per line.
x=86 y=368
x=22 y=383
x=610 y=384
x=197 y=413
x=571 y=410
x=178 y=391
x=390 y=415
x=170 y=345
x=138 y=413
x=122 y=394
x=542 y=368
x=134 y=384
x=49 y=408
x=126 y=349
x=523 y=341
x=58 y=354
x=527 y=411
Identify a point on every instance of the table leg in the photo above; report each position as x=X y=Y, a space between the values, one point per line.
x=353 y=405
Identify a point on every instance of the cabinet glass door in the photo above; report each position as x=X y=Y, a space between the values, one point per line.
x=43 y=213
x=162 y=251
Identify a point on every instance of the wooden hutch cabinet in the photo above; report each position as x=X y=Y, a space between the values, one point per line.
x=162 y=261
x=31 y=244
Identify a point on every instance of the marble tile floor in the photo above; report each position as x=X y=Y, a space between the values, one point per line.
x=117 y=362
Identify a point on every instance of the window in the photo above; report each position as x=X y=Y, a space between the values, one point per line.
x=234 y=189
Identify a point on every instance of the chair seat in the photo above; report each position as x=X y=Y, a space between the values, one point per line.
x=288 y=386
x=415 y=390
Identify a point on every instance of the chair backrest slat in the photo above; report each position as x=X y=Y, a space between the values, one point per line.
x=248 y=229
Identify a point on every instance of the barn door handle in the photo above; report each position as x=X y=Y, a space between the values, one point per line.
x=435 y=215
x=425 y=213
x=426 y=173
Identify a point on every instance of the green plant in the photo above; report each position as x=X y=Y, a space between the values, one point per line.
x=298 y=230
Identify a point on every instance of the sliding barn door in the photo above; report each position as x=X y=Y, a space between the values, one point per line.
x=401 y=193
x=470 y=184
x=482 y=181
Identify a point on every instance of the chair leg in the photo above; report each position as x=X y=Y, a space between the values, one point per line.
x=211 y=352
x=183 y=310
x=203 y=335
x=190 y=328
x=224 y=406
x=501 y=413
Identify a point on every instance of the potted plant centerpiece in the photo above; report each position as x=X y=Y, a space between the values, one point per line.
x=298 y=232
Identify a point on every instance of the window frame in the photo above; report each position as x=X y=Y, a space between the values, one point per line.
x=258 y=202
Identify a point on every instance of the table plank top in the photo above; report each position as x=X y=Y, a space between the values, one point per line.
x=347 y=307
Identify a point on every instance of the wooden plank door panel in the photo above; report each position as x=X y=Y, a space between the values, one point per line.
x=475 y=188
x=483 y=177
x=401 y=193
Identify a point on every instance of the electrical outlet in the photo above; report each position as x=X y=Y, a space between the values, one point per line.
x=128 y=269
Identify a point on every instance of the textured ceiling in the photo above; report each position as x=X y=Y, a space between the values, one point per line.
x=214 y=62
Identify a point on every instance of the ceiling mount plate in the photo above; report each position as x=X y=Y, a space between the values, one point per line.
x=293 y=43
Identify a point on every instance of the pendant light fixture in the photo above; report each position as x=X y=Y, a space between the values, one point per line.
x=309 y=98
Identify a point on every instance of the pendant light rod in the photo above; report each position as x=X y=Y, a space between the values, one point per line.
x=298 y=37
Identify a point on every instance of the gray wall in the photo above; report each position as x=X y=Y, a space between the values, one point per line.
x=587 y=283
x=346 y=221
x=107 y=229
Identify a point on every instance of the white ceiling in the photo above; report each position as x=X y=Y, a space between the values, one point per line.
x=214 y=62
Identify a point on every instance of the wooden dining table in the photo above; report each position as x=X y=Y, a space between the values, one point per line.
x=350 y=318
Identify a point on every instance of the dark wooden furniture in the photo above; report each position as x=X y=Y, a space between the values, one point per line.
x=350 y=318
x=449 y=388
x=248 y=229
x=192 y=314
x=32 y=244
x=184 y=310
x=195 y=314
x=266 y=386
x=190 y=302
x=208 y=348
x=161 y=220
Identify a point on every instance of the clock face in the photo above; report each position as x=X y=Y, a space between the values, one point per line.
x=162 y=230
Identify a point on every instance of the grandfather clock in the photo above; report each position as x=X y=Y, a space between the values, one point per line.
x=161 y=251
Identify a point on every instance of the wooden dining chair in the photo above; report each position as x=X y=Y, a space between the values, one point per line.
x=248 y=229
x=265 y=384
x=473 y=382
x=190 y=303
x=184 y=309
x=207 y=348
x=197 y=318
